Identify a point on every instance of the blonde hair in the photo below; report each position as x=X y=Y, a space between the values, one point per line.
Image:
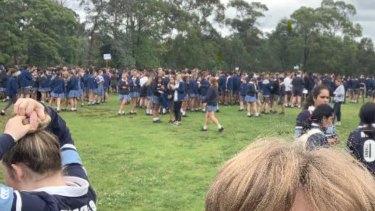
x=267 y=176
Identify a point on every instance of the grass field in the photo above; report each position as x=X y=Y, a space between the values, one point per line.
x=134 y=164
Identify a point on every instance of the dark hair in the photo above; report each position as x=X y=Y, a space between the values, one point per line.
x=367 y=113
x=320 y=112
x=314 y=94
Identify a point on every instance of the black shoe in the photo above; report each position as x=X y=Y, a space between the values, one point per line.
x=221 y=129
x=202 y=129
x=156 y=121
x=217 y=111
x=240 y=109
x=2 y=113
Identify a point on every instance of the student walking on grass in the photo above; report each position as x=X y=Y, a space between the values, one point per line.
x=211 y=100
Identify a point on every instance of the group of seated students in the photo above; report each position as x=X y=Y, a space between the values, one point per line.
x=43 y=170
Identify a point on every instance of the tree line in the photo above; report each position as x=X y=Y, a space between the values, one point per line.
x=182 y=34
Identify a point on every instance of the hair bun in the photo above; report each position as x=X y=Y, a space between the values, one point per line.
x=41 y=124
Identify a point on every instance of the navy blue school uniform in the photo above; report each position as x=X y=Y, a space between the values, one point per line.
x=134 y=85
x=187 y=89
x=85 y=79
x=123 y=87
x=57 y=85
x=181 y=91
x=243 y=89
x=251 y=92
x=212 y=96
x=355 y=84
x=317 y=139
x=362 y=146
x=25 y=78
x=77 y=195
x=204 y=87
x=302 y=122
x=12 y=87
x=266 y=88
x=3 y=81
x=91 y=83
x=73 y=87
x=275 y=88
x=222 y=80
x=43 y=84
x=107 y=80
x=282 y=92
x=236 y=83
x=193 y=87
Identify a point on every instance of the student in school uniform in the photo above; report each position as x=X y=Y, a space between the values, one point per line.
x=179 y=92
x=25 y=80
x=57 y=90
x=243 y=91
x=170 y=97
x=73 y=90
x=211 y=101
x=316 y=136
x=319 y=95
x=186 y=100
x=204 y=85
x=193 y=91
x=42 y=168
x=11 y=90
x=106 y=84
x=134 y=85
x=158 y=90
x=99 y=79
x=92 y=86
x=149 y=94
x=123 y=89
x=361 y=142
x=3 y=83
x=266 y=93
x=43 y=85
x=251 y=98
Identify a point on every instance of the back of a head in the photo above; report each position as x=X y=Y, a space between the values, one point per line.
x=269 y=175
x=39 y=151
x=367 y=113
x=320 y=112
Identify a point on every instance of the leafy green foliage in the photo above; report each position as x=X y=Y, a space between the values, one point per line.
x=184 y=34
x=38 y=32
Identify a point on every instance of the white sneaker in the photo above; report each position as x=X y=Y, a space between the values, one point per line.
x=338 y=123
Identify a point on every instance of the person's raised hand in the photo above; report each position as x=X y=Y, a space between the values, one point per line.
x=26 y=107
x=16 y=127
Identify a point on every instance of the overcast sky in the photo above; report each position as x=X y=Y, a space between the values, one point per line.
x=278 y=9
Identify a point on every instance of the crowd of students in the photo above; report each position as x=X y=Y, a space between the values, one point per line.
x=276 y=175
x=255 y=93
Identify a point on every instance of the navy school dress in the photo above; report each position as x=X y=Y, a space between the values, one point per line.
x=362 y=146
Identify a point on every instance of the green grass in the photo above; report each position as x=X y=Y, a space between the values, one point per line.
x=134 y=164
